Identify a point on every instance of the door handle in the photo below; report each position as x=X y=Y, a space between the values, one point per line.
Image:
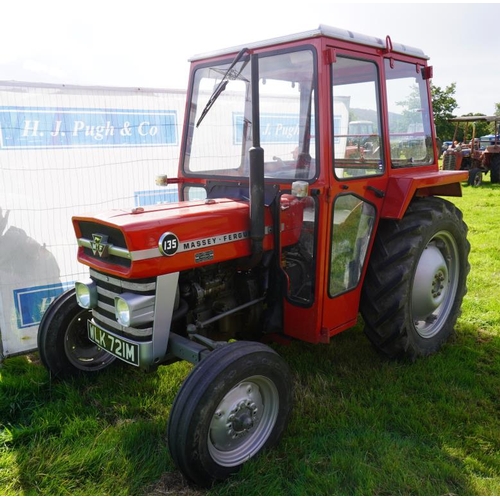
x=378 y=192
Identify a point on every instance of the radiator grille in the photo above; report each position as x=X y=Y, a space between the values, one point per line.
x=109 y=287
x=449 y=162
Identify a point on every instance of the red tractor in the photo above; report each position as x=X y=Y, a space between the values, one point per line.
x=476 y=156
x=277 y=234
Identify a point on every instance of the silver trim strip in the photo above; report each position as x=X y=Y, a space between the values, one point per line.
x=164 y=310
x=151 y=253
x=128 y=285
x=107 y=307
x=199 y=244
x=105 y=292
x=184 y=246
x=144 y=332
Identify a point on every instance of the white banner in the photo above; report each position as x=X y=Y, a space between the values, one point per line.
x=67 y=150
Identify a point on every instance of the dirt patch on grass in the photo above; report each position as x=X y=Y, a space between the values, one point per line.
x=174 y=484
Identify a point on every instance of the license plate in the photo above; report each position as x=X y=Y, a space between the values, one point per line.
x=123 y=349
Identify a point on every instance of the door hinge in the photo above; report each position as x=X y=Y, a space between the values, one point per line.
x=329 y=56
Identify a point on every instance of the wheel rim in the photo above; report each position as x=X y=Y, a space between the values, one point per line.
x=477 y=179
x=435 y=284
x=81 y=352
x=243 y=421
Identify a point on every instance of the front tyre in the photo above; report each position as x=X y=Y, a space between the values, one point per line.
x=234 y=403
x=475 y=177
x=416 y=279
x=63 y=344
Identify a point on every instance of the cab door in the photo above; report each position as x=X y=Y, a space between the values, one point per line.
x=358 y=180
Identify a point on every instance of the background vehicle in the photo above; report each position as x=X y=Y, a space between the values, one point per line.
x=362 y=141
x=279 y=234
x=445 y=146
x=477 y=156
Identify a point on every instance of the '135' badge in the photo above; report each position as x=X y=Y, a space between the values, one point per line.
x=168 y=244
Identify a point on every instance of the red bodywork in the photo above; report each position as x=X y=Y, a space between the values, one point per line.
x=221 y=225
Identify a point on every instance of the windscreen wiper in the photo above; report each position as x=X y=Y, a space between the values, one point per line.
x=221 y=87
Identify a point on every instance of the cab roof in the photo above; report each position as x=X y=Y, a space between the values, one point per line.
x=475 y=118
x=326 y=31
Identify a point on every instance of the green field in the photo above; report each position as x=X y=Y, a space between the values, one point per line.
x=361 y=425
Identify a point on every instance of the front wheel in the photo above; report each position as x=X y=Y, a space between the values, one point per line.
x=416 y=279
x=63 y=344
x=475 y=177
x=233 y=404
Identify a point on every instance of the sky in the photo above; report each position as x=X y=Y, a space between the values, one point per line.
x=148 y=43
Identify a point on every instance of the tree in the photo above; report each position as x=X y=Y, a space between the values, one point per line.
x=443 y=105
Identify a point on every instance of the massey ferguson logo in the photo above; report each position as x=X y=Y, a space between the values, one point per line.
x=100 y=245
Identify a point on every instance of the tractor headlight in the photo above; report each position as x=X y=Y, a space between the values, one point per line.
x=134 y=310
x=86 y=294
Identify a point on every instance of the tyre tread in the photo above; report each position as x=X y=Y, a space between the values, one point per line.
x=385 y=295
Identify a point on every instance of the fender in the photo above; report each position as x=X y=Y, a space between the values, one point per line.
x=402 y=187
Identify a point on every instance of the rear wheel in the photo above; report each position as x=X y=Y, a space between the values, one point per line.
x=234 y=403
x=416 y=279
x=63 y=344
x=495 y=169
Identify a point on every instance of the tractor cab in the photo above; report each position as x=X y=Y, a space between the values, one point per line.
x=319 y=130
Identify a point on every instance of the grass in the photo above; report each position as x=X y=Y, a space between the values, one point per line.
x=361 y=425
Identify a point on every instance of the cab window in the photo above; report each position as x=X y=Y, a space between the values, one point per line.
x=410 y=125
x=356 y=119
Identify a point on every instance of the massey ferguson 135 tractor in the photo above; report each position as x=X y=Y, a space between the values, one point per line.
x=278 y=232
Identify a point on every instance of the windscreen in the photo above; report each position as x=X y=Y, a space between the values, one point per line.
x=222 y=117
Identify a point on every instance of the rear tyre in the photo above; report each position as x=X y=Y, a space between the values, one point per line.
x=63 y=344
x=475 y=177
x=416 y=279
x=495 y=169
x=234 y=403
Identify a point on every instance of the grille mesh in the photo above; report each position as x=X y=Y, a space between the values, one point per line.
x=449 y=162
x=109 y=287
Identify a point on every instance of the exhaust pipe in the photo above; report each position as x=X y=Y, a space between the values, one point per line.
x=256 y=204
x=256 y=177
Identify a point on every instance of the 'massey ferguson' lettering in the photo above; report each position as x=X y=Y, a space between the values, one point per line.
x=214 y=240
x=169 y=244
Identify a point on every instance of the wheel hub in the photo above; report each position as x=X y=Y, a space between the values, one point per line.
x=243 y=420
x=430 y=285
x=435 y=285
x=237 y=415
x=438 y=284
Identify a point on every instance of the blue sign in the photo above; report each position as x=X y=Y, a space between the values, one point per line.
x=275 y=128
x=52 y=128
x=32 y=302
x=156 y=196
x=337 y=129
